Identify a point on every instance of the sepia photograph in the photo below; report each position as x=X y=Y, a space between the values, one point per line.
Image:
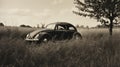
x=59 y=33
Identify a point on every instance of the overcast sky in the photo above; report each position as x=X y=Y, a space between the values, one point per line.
x=33 y=12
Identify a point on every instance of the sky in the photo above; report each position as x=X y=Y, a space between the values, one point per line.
x=34 y=12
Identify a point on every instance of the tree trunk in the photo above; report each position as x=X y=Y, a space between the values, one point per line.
x=111 y=27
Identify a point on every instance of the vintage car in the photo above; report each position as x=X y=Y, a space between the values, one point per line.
x=54 y=32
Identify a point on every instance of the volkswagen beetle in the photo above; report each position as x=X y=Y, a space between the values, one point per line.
x=53 y=32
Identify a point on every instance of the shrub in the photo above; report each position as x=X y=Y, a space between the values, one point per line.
x=27 y=26
x=1 y=24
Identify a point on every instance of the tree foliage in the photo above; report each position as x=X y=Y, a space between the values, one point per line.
x=27 y=26
x=1 y=24
x=105 y=11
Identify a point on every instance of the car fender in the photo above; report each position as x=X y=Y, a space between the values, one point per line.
x=44 y=34
x=77 y=33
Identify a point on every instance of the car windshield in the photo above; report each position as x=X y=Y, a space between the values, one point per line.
x=50 y=26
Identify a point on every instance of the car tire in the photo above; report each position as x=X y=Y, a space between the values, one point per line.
x=77 y=36
x=45 y=39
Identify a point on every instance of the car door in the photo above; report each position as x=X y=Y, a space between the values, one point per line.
x=60 y=32
x=70 y=31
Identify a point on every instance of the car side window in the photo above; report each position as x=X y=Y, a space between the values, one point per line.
x=50 y=26
x=71 y=28
x=60 y=27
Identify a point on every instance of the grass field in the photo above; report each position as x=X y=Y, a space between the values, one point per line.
x=96 y=49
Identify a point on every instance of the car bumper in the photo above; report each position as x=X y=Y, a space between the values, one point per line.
x=32 y=40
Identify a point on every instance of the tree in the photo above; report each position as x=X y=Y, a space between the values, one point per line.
x=27 y=26
x=105 y=11
x=42 y=25
x=87 y=27
x=1 y=24
x=77 y=26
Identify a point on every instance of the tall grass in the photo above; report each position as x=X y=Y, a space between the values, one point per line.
x=14 y=32
x=96 y=49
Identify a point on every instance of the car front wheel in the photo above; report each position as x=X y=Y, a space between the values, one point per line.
x=45 y=39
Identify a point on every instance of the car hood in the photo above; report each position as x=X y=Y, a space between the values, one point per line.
x=32 y=34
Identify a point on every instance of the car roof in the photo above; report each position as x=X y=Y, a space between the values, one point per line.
x=62 y=23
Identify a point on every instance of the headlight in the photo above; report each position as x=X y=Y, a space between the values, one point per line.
x=28 y=36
